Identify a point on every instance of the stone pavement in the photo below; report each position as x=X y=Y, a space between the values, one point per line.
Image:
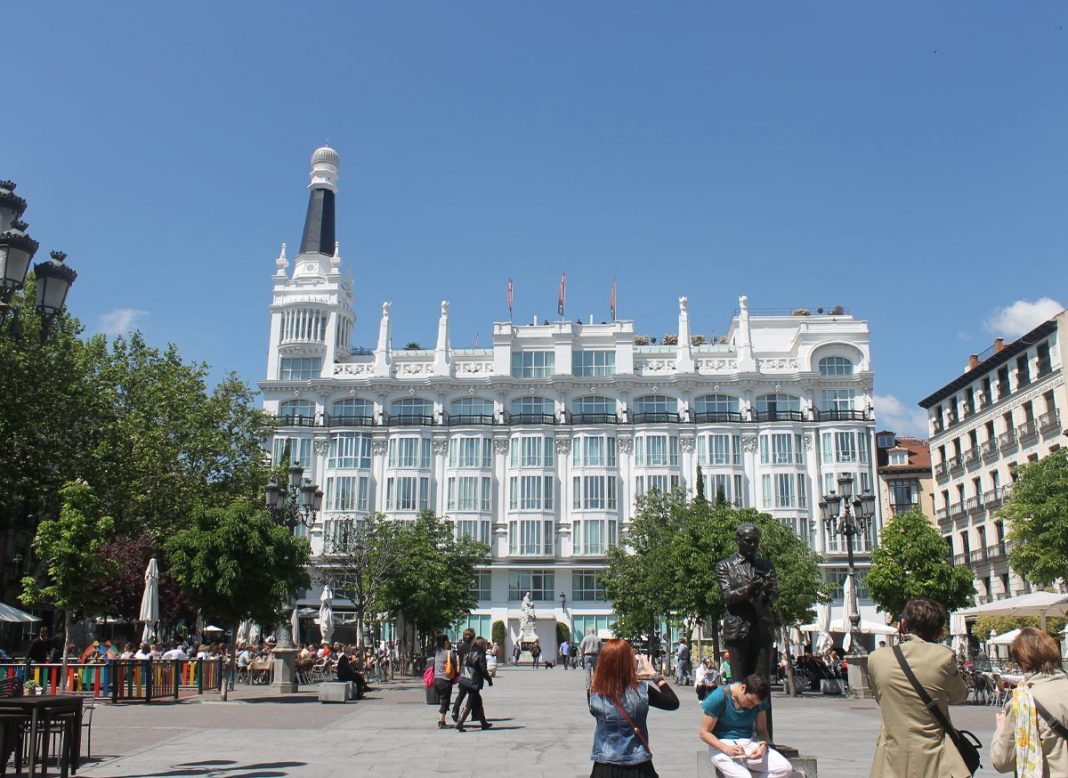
x=542 y=728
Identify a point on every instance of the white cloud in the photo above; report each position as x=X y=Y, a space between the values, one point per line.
x=892 y=414
x=120 y=321
x=1022 y=316
x=962 y=335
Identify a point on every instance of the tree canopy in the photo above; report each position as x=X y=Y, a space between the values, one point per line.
x=236 y=563
x=912 y=560
x=1037 y=512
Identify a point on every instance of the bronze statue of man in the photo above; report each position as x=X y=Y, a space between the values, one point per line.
x=749 y=588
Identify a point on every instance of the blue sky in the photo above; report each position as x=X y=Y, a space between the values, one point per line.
x=908 y=161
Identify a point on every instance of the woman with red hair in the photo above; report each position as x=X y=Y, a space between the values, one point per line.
x=624 y=686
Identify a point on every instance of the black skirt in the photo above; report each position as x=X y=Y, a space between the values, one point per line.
x=640 y=770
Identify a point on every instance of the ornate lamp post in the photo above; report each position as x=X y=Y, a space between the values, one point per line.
x=846 y=517
x=16 y=252
x=293 y=504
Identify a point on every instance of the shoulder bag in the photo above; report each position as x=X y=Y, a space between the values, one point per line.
x=1058 y=728
x=967 y=744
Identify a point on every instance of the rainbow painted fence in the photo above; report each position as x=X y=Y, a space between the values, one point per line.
x=124 y=680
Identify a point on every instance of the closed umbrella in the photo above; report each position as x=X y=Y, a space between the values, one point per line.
x=326 y=613
x=959 y=630
x=294 y=626
x=824 y=643
x=848 y=612
x=150 y=600
x=244 y=631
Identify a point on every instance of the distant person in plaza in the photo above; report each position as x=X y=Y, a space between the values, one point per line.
x=40 y=650
x=442 y=679
x=624 y=687
x=535 y=653
x=516 y=651
x=725 y=667
x=912 y=743
x=749 y=588
x=682 y=657
x=473 y=675
x=735 y=727
x=589 y=650
x=565 y=652
x=706 y=678
x=466 y=640
x=1031 y=737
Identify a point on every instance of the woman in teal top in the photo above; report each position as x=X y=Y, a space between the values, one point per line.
x=735 y=727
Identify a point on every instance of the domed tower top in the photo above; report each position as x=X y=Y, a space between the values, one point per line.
x=318 y=235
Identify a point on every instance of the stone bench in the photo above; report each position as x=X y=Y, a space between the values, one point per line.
x=804 y=767
x=336 y=691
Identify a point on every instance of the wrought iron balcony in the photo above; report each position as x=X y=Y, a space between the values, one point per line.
x=989 y=449
x=940 y=471
x=704 y=417
x=971 y=456
x=977 y=555
x=409 y=420
x=296 y=420
x=996 y=552
x=903 y=507
x=470 y=419
x=1007 y=441
x=841 y=415
x=960 y=560
x=1028 y=430
x=594 y=418
x=956 y=465
x=654 y=417
x=942 y=514
x=348 y=420
x=1049 y=422
x=973 y=504
x=778 y=416
x=992 y=499
x=531 y=418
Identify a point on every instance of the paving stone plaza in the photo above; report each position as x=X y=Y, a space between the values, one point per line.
x=541 y=728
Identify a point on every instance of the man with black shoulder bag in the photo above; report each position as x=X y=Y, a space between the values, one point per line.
x=914 y=683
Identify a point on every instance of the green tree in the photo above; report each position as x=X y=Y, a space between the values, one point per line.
x=432 y=583
x=1037 y=512
x=912 y=560
x=358 y=561
x=69 y=549
x=236 y=563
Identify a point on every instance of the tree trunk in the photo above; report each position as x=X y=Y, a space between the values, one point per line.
x=66 y=641
x=789 y=678
x=359 y=625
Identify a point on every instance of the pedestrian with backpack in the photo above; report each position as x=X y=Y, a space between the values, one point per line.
x=473 y=675
x=466 y=640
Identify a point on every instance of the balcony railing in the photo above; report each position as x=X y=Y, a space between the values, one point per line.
x=594 y=418
x=704 y=417
x=1049 y=422
x=1007 y=441
x=1028 y=430
x=973 y=505
x=655 y=417
x=296 y=420
x=996 y=553
x=977 y=555
x=778 y=416
x=971 y=456
x=960 y=560
x=470 y=419
x=956 y=464
x=531 y=418
x=992 y=499
x=348 y=420
x=989 y=449
x=409 y=420
x=903 y=507
x=942 y=513
x=940 y=471
x=841 y=415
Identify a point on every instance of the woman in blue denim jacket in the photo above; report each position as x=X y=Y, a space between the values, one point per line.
x=624 y=686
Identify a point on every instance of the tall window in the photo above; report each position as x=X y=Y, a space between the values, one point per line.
x=531 y=451
x=782 y=407
x=297 y=412
x=724 y=487
x=347 y=493
x=349 y=450
x=533 y=364
x=585 y=588
x=594 y=407
x=408 y=452
x=531 y=492
x=781 y=448
x=481 y=587
x=540 y=583
x=530 y=537
x=474 y=408
x=716 y=407
x=407 y=494
x=593 y=536
x=593 y=493
x=593 y=363
x=719 y=449
x=296 y=451
x=661 y=483
x=593 y=451
x=299 y=368
x=656 y=407
x=533 y=409
x=414 y=408
x=471 y=452
x=835 y=366
x=469 y=493
x=837 y=399
x=352 y=409
x=779 y=490
x=656 y=451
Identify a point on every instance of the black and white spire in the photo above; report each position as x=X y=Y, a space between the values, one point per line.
x=318 y=235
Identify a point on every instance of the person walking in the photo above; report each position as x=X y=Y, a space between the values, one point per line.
x=1032 y=730
x=473 y=675
x=444 y=659
x=912 y=742
x=624 y=687
x=565 y=653
x=589 y=650
x=735 y=727
x=516 y=651
x=535 y=654
x=466 y=639
x=682 y=657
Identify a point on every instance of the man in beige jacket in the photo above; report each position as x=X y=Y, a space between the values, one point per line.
x=912 y=744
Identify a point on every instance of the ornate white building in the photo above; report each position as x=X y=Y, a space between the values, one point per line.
x=540 y=444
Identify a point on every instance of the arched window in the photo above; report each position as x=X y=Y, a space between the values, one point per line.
x=836 y=366
x=716 y=407
x=533 y=410
x=471 y=410
x=655 y=407
x=353 y=411
x=594 y=410
x=297 y=413
x=778 y=407
x=412 y=411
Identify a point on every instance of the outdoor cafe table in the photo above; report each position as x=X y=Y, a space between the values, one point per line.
x=42 y=708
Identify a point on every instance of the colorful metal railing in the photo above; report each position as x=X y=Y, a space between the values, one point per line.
x=123 y=680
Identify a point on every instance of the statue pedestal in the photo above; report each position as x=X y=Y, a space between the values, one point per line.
x=859 y=680
x=284 y=678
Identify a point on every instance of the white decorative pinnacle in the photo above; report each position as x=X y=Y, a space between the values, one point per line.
x=335 y=261
x=281 y=263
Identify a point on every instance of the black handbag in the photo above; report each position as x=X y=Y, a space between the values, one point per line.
x=967 y=743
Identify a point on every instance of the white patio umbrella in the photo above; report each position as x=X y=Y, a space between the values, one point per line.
x=150 y=600
x=1041 y=604
x=1005 y=638
x=959 y=631
x=326 y=613
x=12 y=614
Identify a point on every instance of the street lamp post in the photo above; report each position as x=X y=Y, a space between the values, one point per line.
x=849 y=518
x=292 y=504
x=54 y=278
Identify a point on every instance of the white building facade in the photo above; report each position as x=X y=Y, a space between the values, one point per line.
x=541 y=444
x=1007 y=409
